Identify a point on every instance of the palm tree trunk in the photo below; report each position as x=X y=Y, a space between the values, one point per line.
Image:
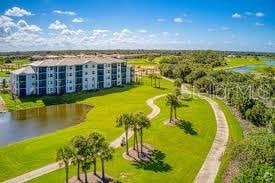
x=134 y=140
x=175 y=112
x=141 y=141
x=86 y=177
x=102 y=167
x=159 y=83
x=171 y=113
x=136 y=143
x=127 y=147
x=155 y=82
x=78 y=167
x=95 y=167
x=67 y=172
x=151 y=81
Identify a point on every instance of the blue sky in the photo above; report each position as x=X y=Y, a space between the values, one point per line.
x=137 y=24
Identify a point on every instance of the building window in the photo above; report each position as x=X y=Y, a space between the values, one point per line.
x=71 y=67
x=93 y=72
x=51 y=68
x=86 y=79
x=93 y=78
x=86 y=73
x=108 y=71
x=86 y=66
x=70 y=88
x=118 y=64
x=51 y=75
x=108 y=65
x=70 y=74
x=93 y=66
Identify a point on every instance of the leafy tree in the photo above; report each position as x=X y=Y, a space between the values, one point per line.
x=65 y=154
x=178 y=82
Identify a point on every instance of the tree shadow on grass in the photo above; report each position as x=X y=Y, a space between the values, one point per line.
x=187 y=127
x=156 y=163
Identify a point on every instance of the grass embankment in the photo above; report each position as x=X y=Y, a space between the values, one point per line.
x=4 y=73
x=237 y=62
x=145 y=62
x=33 y=153
x=182 y=149
x=235 y=135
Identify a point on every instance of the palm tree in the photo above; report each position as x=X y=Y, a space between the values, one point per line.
x=143 y=122
x=95 y=139
x=177 y=92
x=105 y=154
x=86 y=165
x=65 y=154
x=170 y=101
x=176 y=105
x=159 y=78
x=134 y=127
x=78 y=142
x=125 y=120
x=151 y=78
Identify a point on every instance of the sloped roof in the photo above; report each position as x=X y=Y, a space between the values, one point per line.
x=24 y=70
x=74 y=61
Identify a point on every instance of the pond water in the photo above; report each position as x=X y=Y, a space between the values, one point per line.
x=22 y=124
x=250 y=68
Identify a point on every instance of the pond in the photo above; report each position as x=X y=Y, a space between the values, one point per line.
x=22 y=124
x=250 y=68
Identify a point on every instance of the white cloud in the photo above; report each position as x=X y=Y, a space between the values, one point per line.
x=126 y=31
x=70 y=13
x=177 y=34
x=142 y=31
x=24 y=27
x=259 y=14
x=165 y=33
x=6 y=24
x=78 y=20
x=17 y=12
x=68 y=32
x=178 y=20
x=160 y=20
x=57 y=25
x=237 y=15
x=99 y=32
x=259 y=24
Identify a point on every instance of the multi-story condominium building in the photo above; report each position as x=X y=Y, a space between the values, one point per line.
x=69 y=75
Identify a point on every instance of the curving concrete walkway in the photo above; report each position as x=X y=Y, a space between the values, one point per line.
x=210 y=167
x=55 y=166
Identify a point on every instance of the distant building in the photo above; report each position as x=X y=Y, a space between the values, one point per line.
x=69 y=75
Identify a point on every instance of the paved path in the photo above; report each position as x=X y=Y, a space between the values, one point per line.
x=54 y=166
x=2 y=105
x=210 y=167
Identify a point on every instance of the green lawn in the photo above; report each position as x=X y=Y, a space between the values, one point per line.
x=27 y=155
x=4 y=73
x=235 y=135
x=237 y=62
x=182 y=149
x=143 y=61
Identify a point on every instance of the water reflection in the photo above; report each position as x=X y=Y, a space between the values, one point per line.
x=22 y=124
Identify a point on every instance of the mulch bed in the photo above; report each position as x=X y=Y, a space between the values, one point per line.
x=91 y=178
x=172 y=123
x=147 y=151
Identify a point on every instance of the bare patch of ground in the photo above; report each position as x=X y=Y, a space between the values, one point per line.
x=92 y=179
x=146 y=154
x=173 y=122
